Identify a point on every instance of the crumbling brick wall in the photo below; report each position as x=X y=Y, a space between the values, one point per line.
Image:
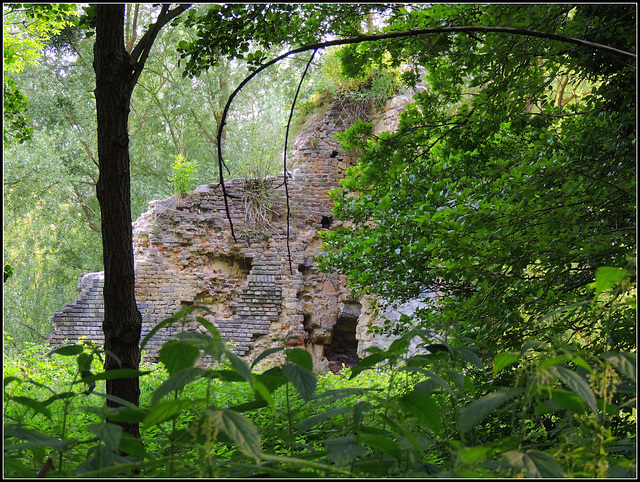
x=256 y=287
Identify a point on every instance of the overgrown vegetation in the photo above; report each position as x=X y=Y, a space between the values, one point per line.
x=52 y=225
x=545 y=409
x=508 y=191
x=358 y=94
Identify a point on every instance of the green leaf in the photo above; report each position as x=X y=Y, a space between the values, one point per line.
x=109 y=433
x=226 y=375
x=176 y=381
x=265 y=354
x=132 y=446
x=474 y=412
x=271 y=379
x=470 y=356
x=122 y=414
x=567 y=400
x=423 y=407
x=504 y=359
x=577 y=384
x=238 y=428
x=608 y=277
x=533 y=464
x=343 y=450
x=165 y=410
x=68 y=350
x=262 y=392
x=474 y=455
x=304 y=380
x=84 y=361
x=300 y=357
x=311 y=422
x=367 y=362
x=33 y=439
x=384 y=445
x=34 y=405
x=178 y=354
x=241 y=366
x=432 y=383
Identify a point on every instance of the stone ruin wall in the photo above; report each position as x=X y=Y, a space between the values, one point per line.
x=184 y=254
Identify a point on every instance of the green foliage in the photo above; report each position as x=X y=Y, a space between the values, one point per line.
x=544 y=410
x=507 y=184
x=225 y=30
x=184 y=175
x=369 y=86
x=15 y=104
x=507 y=190
x=8 y=272
x=26 y=29
x=51 y=213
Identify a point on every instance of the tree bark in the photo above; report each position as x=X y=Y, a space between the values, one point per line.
x=122 y=320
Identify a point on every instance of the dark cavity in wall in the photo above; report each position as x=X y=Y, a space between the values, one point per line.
x=326 y=221
x=343 y=349
x=305 y=267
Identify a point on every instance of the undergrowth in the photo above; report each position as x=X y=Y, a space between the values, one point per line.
x=547 y=410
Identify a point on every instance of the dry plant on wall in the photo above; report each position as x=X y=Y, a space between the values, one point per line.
x=258 y=208
x=354 y=109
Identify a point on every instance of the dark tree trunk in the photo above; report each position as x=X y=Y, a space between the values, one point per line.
x=122 y=320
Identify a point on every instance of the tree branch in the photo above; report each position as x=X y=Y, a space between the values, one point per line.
x=386 y=36
x=286 y=141
x=141 y=51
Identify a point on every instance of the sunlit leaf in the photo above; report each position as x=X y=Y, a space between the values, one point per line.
x=504 y=359
x=178 y=354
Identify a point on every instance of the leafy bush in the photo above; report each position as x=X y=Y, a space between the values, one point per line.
x=371 y=87
x=543 y=410
x=183 y=178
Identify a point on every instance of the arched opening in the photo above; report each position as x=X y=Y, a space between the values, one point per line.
x=342 y=351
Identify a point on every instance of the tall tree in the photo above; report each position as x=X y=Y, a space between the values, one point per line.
x=117 y=72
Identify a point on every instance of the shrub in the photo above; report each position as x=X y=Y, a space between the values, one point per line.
x=184 y=175
x=546 y=410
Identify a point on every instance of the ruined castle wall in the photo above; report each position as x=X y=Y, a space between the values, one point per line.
x=255 y=291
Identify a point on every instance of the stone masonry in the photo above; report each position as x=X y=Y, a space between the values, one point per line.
x=185 y=254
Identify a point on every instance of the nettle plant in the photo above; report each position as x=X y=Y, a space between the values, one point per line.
x=545 y=410
x=184 y=175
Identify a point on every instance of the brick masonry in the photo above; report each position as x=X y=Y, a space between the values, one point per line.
x=184 y=254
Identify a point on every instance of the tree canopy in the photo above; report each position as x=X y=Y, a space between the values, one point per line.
x=509 y=181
